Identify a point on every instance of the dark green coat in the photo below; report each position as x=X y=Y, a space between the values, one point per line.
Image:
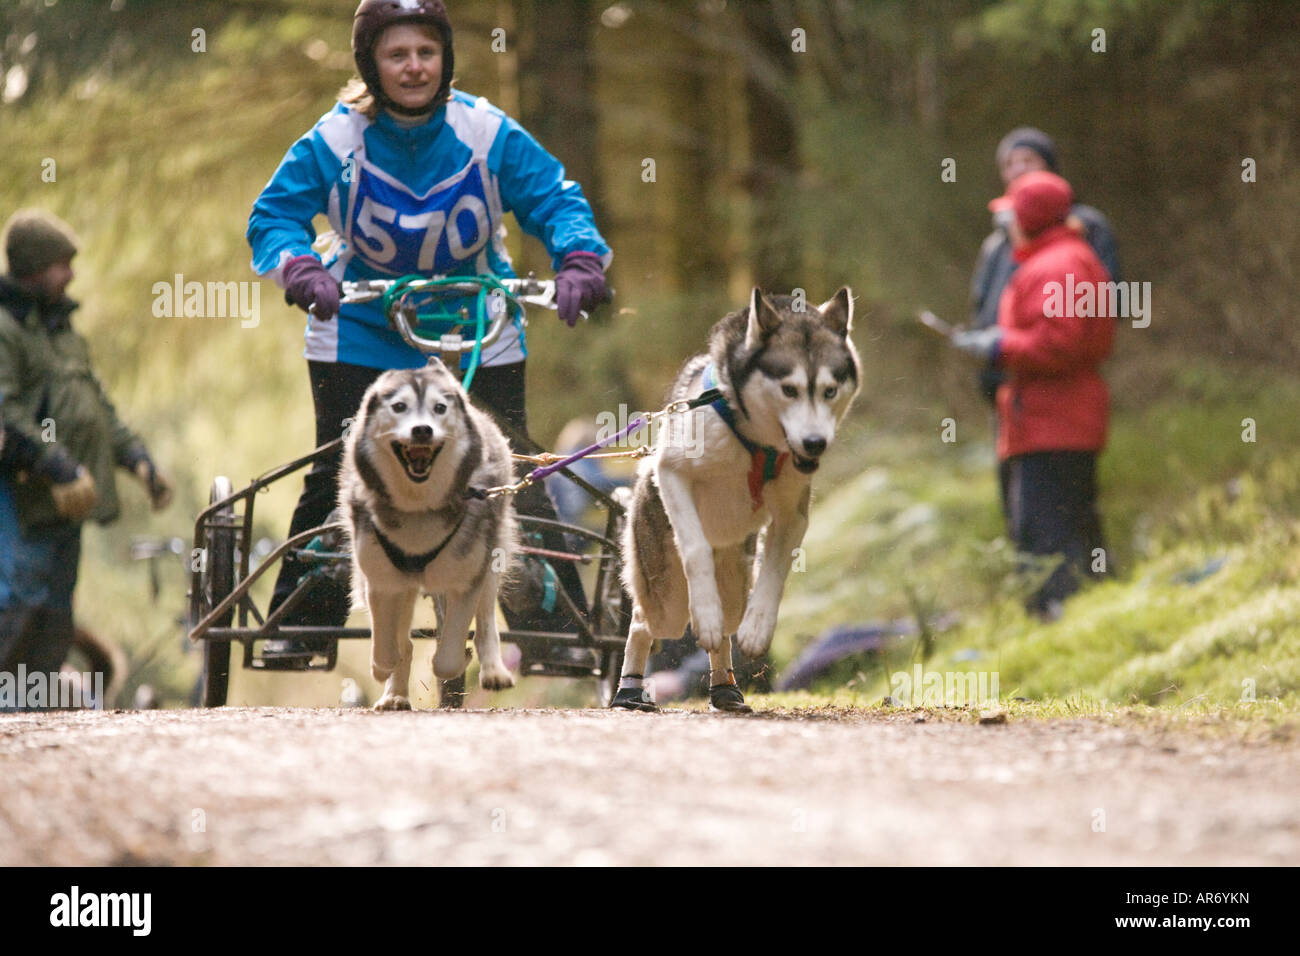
x=48 y=390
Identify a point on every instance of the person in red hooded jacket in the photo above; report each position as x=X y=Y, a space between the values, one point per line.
x=1053 y=408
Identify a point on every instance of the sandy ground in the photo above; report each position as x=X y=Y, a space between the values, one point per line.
x=299 y=786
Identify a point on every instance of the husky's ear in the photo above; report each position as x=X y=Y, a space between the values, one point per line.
x=436 y=370
x=370 y=402
x=837 y=314
x=763 y=319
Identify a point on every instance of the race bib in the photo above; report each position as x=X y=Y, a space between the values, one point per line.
x=395 y=231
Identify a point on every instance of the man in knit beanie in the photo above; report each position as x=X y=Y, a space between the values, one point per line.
x=62 y=442
x=36 y=240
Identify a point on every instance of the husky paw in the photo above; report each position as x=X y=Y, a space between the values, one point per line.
x=727 y=699
x=495 y=676
x=392 y=702
x=633 y=698
x=706 y=622
x=755 y=634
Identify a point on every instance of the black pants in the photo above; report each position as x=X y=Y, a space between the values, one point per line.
x=1050 y=502
x=37 y=637
x=337 y=389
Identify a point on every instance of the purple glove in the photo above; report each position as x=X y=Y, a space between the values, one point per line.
x=306 y=282
x=579 y=285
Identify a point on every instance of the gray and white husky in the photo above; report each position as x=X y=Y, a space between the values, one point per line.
x=412 y=453
x=787 y=378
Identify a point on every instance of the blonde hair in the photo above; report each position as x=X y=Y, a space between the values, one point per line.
x=357 y=96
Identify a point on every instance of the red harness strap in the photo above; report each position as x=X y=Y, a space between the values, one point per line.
x=762 y=469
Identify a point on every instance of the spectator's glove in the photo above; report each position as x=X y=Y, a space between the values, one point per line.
x=155 y=482
x=306 y=283
x=982 y=343
x=74 y=499
x=579 y=286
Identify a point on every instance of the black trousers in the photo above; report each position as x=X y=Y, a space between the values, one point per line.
x=1050 y=502
x=37 y=637
x=337 y=389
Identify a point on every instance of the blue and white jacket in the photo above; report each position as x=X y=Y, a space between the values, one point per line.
x=429 y=199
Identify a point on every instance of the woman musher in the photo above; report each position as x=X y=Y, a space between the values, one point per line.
x=415 y=178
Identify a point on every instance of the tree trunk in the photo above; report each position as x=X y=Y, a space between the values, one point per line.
x=774 y=147
x=557 y=88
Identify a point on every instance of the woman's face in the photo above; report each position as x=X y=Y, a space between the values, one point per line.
x=409 y=57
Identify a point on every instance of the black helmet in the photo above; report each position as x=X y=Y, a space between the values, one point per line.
x=374 y=16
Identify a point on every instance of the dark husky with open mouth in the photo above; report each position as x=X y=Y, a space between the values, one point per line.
x=415 y=449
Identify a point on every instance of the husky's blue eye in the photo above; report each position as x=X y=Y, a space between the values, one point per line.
x=439 y=409
x=789 y=391
x=831 y=392
x=399 y=407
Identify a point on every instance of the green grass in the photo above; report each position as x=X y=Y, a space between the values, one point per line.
x=915 y=531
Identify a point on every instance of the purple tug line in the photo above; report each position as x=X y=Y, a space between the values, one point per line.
x=708 y=397
x=543 y=471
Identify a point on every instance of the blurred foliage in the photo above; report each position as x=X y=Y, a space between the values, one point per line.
x=160 y=151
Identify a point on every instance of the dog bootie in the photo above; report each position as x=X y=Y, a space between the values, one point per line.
x=728 y=699
x=633 y=698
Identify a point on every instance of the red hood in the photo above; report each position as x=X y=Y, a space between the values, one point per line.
x=1047 y=237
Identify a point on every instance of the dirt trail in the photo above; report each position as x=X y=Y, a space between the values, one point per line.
x=266 y=786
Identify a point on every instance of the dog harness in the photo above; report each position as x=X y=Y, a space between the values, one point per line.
x=765 y=462
x=414 y=563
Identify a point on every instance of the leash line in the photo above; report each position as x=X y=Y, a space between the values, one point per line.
x=549 y=462
x=548 y=457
